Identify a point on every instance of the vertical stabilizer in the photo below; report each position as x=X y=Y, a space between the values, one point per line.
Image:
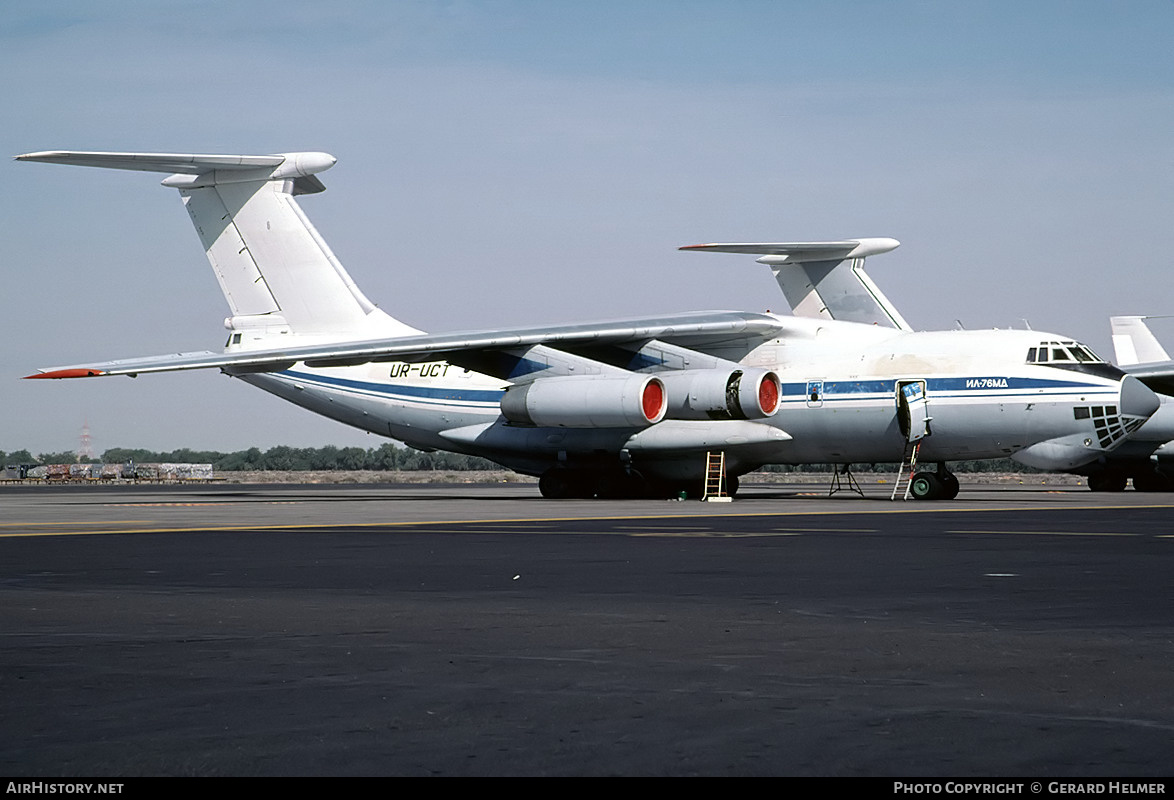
x=824 y=280
x=1134 y=343
x=278 y=275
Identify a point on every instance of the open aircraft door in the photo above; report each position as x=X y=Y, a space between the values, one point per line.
x=913 y=410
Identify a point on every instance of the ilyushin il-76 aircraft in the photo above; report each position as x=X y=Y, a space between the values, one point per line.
x=631 y=407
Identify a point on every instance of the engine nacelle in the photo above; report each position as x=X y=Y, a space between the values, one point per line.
x=635 y=401
x=722 y=393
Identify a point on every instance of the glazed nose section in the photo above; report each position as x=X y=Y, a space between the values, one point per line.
x=1136 y=399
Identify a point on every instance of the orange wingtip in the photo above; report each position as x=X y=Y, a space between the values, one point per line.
x=67 y=373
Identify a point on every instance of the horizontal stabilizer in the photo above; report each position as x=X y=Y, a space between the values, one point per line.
x=199 y=171
x=155 y=162
x=219 y=168
x=798 y=252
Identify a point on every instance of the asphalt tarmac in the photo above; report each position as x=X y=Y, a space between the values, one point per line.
x=479 y=630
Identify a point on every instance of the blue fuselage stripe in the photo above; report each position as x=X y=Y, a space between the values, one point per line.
x=451 y=394
x=830 y=391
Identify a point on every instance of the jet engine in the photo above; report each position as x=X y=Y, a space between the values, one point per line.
x=722 y=393
x=635 y=401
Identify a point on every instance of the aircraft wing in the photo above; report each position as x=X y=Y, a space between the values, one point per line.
x=824 y=280
x=700 y=330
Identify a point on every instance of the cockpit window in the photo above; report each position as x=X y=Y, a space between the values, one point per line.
x=1051 y=352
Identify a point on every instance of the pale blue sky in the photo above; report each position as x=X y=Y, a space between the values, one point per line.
x=505 y=163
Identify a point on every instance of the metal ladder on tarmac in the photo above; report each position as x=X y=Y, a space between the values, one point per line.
x=905 y=473
x=715 y=478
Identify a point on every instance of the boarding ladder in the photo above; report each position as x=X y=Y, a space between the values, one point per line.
x=715 y=478
x=905 y=473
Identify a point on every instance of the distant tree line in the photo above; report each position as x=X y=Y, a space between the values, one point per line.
x=388 y=457
x=25 y=457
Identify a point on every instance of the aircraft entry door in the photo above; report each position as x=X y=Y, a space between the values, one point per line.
x=913 y=410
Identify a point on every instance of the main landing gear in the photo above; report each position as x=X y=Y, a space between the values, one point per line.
x=562 y=483
x=940 y=485
x=1108 y=481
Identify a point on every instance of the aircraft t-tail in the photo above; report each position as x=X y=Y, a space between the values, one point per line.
x=629 y=407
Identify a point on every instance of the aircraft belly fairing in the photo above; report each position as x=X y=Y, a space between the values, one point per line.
x=625 y=406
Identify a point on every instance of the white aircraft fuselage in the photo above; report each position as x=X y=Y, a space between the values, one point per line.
x=839 y=404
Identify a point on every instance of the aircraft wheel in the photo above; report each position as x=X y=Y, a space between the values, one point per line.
x=731 y=485
x=556 y=484
x=1107 y=481
x=950 y=485
x=925 y=486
